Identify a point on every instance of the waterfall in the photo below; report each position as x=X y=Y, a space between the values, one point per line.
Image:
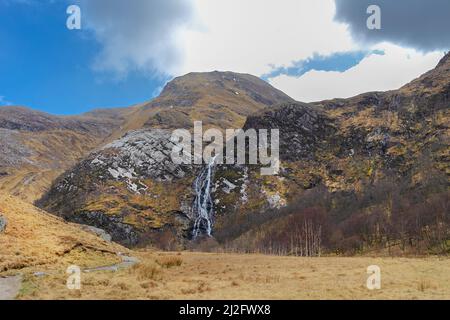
x=203 y=205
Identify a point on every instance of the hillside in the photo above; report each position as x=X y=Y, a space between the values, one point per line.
x=347 y=144
x=219 y=99
x=129 y=187
x=38 y=240
x=372 y=176
x=365 y=173
x=351 y=159
x=37 y=147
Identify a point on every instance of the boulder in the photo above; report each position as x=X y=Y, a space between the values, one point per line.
x=97 y=231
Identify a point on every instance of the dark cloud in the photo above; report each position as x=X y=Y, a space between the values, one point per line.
x=421 y=24
x=138 y=34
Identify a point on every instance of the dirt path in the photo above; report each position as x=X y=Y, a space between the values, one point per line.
x=10 y=287
x=127 y=262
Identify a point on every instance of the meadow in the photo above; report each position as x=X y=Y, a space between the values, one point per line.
x=188 y=275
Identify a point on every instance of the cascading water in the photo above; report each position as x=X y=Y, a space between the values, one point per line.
x=203 y=204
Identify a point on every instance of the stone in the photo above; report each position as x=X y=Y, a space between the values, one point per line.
x=40 y=274
x=3 y=223
x=112 y=226
x=97 y=231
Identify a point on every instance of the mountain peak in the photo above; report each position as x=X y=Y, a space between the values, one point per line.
x=195 y=85
x=219 y=99
x=445 y=60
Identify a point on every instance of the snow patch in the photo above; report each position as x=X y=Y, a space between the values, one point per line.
x=228 y=186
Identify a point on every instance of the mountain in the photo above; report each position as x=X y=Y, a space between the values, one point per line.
x=370 y=171
x=130 y=186
x=219 y=99
x=37 y=147
x=344 y=163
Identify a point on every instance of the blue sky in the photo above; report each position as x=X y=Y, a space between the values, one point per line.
x=341 y=61
x=128 y=50
x=45 y=66
x=50 y=68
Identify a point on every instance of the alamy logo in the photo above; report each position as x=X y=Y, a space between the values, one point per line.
x=374 y=20
x=74 y=19
x=374 y=279
x=74 y=278
x=235 y=142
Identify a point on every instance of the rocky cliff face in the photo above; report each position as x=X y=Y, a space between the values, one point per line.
x=130 y=187
x=345 y=145
x=133 y=191
x=37 y=147
x=304 y=130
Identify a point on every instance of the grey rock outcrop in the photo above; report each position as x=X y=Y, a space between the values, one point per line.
x=303 y=129
x=129 y=166
x=12 y=151
x=98 y=232
x=112 y=227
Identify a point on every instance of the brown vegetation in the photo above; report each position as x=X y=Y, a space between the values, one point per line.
x=36 y=239
x=387 y=217
x=237 y=277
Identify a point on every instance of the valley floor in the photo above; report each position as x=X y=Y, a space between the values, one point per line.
x=189 y=275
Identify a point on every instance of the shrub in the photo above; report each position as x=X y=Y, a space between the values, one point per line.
x=146 y=271
x=169 y=262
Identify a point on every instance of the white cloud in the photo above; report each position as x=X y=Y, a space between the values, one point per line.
x=174 y=37
x=4 y=102
x=253 y=36
x=138 y=35
x=374 y=73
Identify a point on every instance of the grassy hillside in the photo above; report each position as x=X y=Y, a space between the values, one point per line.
x=37 y=147
x=40 y=241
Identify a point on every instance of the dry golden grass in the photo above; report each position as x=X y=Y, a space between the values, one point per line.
x=36 y=239
x=169 y=262
x=146 y=271
x=54 y=151
x=28 y=182
x=231 y=276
